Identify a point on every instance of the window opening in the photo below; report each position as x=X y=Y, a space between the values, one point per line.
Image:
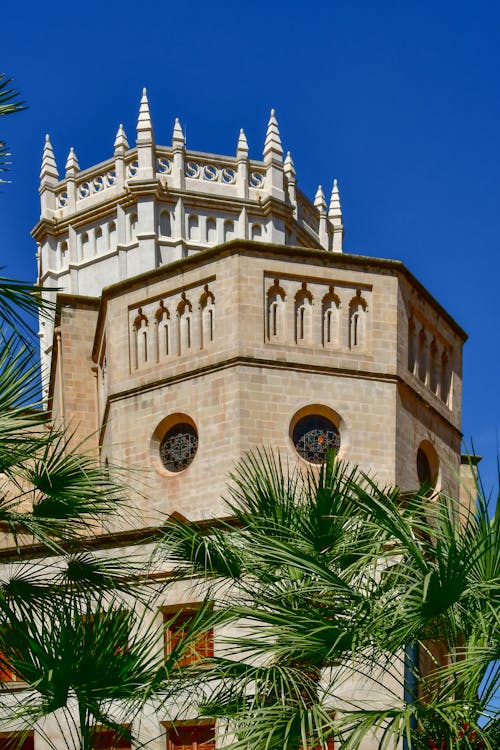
x=178 y=447
x=313 y=435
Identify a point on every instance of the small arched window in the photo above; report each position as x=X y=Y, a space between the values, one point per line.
x=132 y=227
x=211 y=230
x=207 y=307
x=163 y=343
x=358 y=310
x=194 y=228
x=275 y=312
x=165 y=224
x=422 y=356
x=303 y=315
x=84 y=245
x=63 y=254
x=434 y=368
x=412 y=345
x=229 y=233
x=184 y=318
x=140 y=348
x=331 y=318
x=112 y=235
x=445 y=378
x=99 y=241
x=256 y=231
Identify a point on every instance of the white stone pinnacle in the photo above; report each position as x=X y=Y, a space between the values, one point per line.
x=144 y=124
x=273 y=150
x=48 y=172
x=242 y=148
x=178 y=136
x=335 y=209
x=289 y=166
x=320 y=200
x=121 y=142
x=72 y=165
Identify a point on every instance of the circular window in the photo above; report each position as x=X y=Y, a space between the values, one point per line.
x=423 y=467
x=427 y=465
x=179 y=446
x=313 y=435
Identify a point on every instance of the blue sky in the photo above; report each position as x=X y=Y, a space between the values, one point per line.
x=398 y=100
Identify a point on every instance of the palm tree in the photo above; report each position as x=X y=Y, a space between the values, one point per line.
x=323 y=576
x=9 y=103
x=78 y=628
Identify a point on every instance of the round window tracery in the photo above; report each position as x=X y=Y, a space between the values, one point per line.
x=313 y=435
x=178 y=447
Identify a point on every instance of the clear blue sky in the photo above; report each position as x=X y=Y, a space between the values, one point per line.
x=398 y=100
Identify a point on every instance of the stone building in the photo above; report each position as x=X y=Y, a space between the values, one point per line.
x=207 y=307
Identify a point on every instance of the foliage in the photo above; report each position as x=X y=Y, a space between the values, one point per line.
x=9 y=103
x=325 y=576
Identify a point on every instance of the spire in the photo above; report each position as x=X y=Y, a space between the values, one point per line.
x=320 y=200
x=178 y=139
x=144 y=124
x=335 y=210
x=121 y=143
x=242 y=147
x=273 y=150
x=289 y=166
x=48 y=172
x=72 y=166
x=335 y=216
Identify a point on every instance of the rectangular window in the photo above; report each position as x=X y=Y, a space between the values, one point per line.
x=12 y=741
x=7 y=674
x=177 y=630
x=109 y=739
x=191 y=737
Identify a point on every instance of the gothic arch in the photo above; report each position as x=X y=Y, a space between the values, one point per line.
x=211 y=230
x=165 y=223
x=303 y=315
x=422 y=355
x=112 y=235
x=256 y=232
x=207 y=309
x=84 y=245
x=163 y=333
x=445 y=378
x=185 y=324
x=229 y=233
x=412 y=345
x=358 y=311
x=140 y=347
x=132 y=227
x=275 y=311
x=434 y=369
x=99 y=241
x=194 y=228
x=330 y=315
x=63 y=254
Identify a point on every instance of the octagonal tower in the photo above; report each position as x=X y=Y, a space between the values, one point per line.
x=208 y=309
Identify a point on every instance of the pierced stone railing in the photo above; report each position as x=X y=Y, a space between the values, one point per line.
x=131 y=166
x=62 y=197
x=93 y=185
x=224 y=173
x=256 y=178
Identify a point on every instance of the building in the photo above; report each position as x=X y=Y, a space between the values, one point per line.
x=207 y=307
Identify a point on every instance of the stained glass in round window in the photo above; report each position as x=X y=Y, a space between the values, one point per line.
x=178 y=447
x=313 y=435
